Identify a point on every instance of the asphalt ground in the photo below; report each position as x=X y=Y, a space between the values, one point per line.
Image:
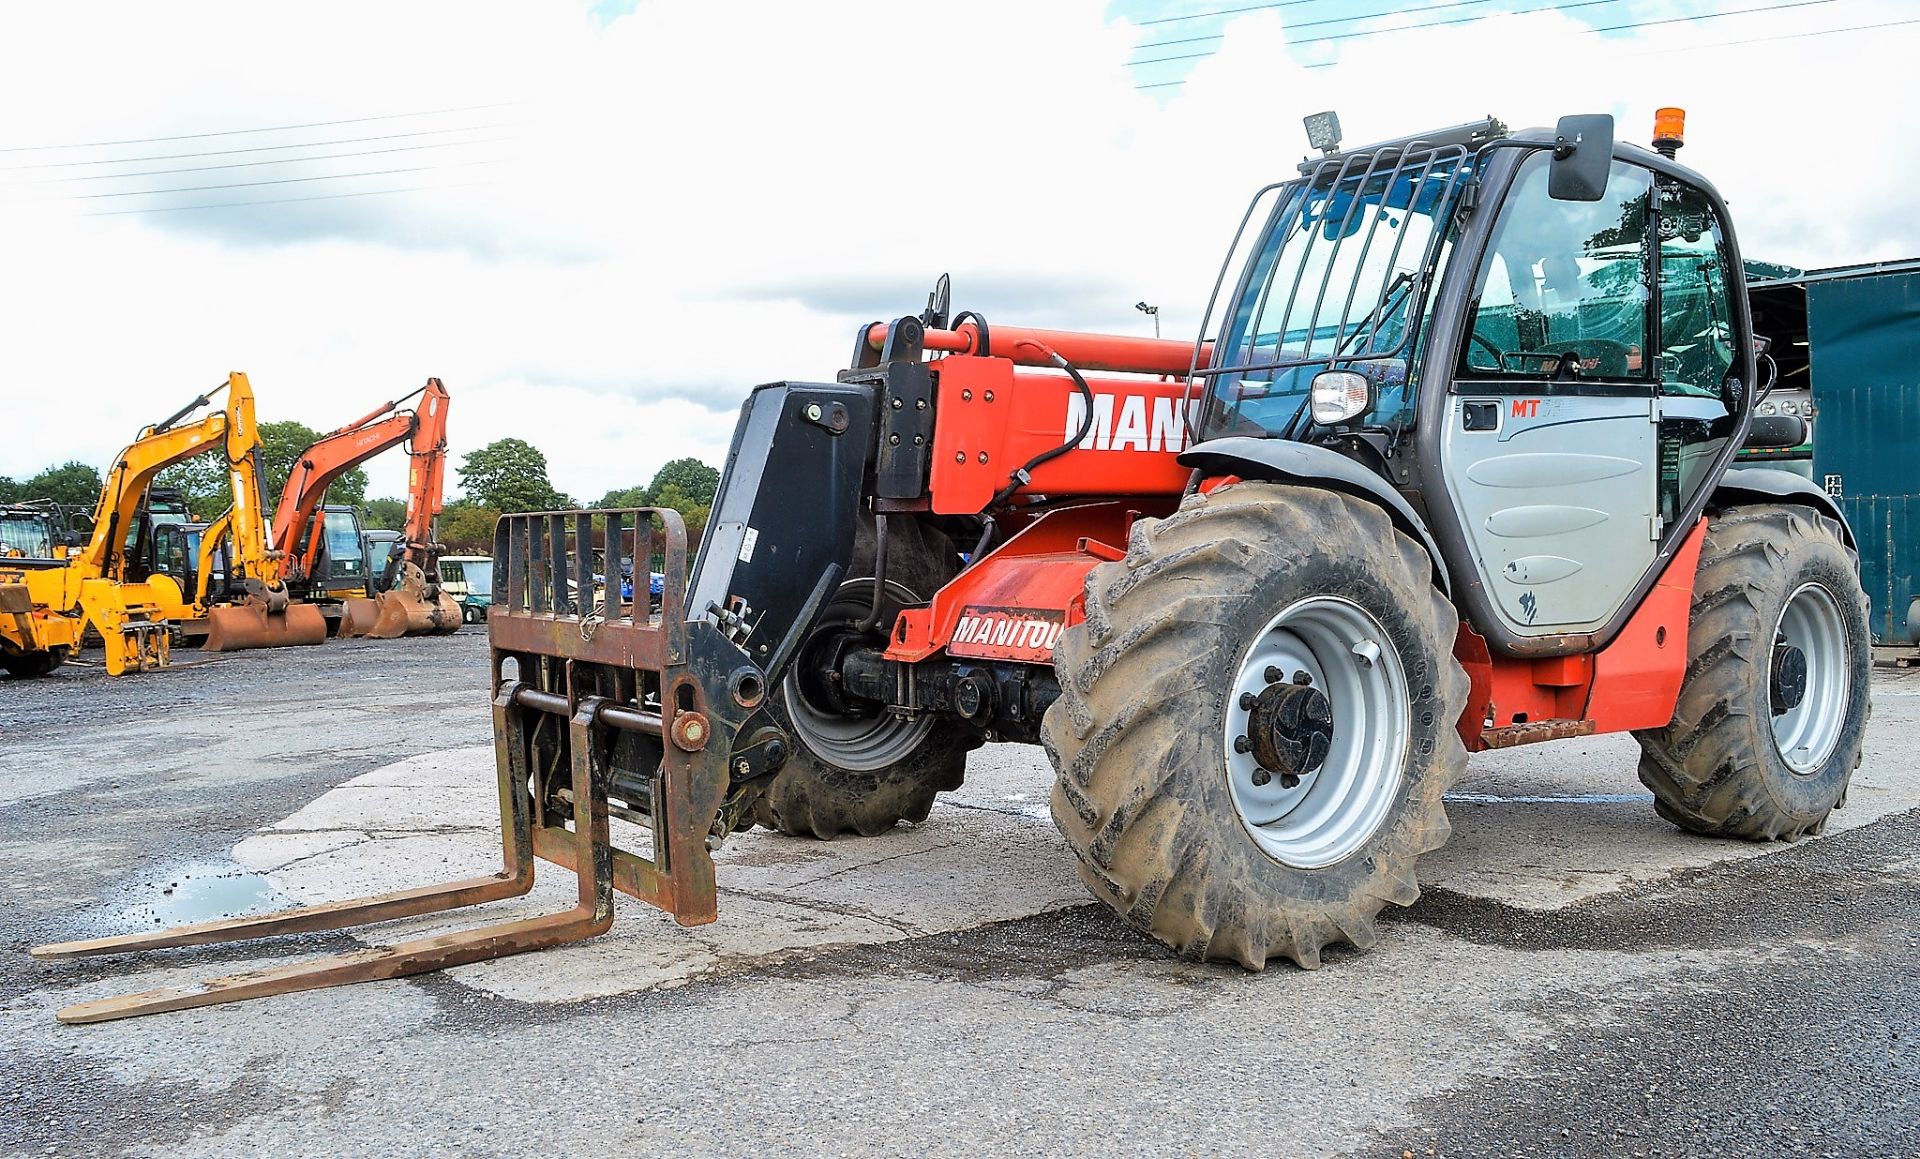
x=1579 y=978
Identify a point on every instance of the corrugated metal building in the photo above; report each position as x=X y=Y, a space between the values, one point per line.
x=1853 y=334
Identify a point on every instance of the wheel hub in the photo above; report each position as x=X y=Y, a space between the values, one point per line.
x=1289 y=731
x=1789 y=684
x=1313 y=759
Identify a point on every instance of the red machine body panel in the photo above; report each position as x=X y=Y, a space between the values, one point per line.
x=1632 y=683
x=1015 y=602
x=995 y=418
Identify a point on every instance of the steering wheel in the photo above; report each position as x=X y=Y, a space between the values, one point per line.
x=1499 y=355
x=1595 y=357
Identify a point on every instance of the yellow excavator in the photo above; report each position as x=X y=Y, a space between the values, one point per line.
x=48 y=604
x=34 y=638
x=248 y=606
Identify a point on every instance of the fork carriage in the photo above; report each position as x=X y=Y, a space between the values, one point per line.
x=598 y=713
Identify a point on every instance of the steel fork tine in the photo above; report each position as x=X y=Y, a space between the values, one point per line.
x=591 y=854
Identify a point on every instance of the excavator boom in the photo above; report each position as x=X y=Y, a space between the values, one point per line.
x=415 y=605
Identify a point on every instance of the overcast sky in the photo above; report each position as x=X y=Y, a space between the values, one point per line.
x=602 y=223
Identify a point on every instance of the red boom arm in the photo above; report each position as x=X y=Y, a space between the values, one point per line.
x=342 y=450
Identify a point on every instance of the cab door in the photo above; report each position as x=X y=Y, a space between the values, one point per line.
x=1551 y=446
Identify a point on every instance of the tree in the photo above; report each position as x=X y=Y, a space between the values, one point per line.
x=202 y=481
x=692 y=512
x=72 y=483
x=280 y=446
x=625 y=497
x=509 y=475
x=11 y=491
x=696 y=481
x=385 y=514
x=466 y=526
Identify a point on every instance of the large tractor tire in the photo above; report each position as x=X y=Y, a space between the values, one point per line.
x=1256 y=723
x=851 y=770
x=1768 y=727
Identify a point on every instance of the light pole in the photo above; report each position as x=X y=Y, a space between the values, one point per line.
x=1152 y=312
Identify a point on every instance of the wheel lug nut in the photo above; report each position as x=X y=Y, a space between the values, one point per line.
x=1262 y=776
x=1289 y=780
x=1247 y=701
x=1242 y=745
x=1302 y=678
x=1273 y=675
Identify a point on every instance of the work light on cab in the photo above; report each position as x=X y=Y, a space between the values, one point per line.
x=1669 y=130
x=1339 y=395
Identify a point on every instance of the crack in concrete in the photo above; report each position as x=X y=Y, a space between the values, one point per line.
x=877 y=861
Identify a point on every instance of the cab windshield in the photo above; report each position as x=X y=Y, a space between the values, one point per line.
x=1339 y=278
x=28 y=535
x=343 y=544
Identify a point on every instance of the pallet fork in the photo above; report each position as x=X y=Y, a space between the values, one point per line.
x=631 y=691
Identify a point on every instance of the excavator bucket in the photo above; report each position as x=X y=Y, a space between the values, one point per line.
x=597 y=714
x=410 y=608
x=236 y=627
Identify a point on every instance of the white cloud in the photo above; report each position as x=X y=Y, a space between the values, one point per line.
x=698 y=197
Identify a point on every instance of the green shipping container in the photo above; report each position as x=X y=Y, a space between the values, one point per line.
x=1861 y=353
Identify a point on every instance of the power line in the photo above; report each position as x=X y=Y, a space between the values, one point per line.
x=251 y=164
x=1330 y=20
x=1336 y=36
x=1223 y=12
x=267 y=129
x=1778 y=7
x=276 y=181
x=287 y=200
x=253 y=148
x=1787 y=36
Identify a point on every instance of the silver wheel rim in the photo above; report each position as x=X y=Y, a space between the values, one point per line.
x=1336 y=809
x=862 y=744
x=1805 y=735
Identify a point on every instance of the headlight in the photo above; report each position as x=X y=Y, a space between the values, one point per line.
x=1789 y=407
x=1765 y=408
x=1339 y=395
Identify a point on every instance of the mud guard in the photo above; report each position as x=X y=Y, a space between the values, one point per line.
x=1770 y=485
x=1275 y=460
x=781 y=533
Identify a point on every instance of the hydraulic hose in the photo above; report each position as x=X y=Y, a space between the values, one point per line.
x=1024 y=475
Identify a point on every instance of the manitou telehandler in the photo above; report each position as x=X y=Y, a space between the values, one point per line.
x=405 y=598
x=1446 y=471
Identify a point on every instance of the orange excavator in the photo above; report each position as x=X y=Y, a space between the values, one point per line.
x=407 y=599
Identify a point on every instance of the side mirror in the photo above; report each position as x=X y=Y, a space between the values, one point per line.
x=1582 y=158
x=1775 y=432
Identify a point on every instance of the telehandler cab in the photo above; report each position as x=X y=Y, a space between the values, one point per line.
x=1447 y=470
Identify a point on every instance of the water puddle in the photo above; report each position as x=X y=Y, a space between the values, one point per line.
x=205 y=892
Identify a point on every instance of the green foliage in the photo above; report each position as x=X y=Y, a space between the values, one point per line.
x=626 y=497
x=280 y=446
x=203 y=483
x=509 y=475
x=467 y=528
x=72 y=483
x=10 y=490
x=384 y=514
x=670 y=495
x=695 y=481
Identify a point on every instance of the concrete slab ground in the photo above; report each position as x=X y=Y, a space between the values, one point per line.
x=1580 y=978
